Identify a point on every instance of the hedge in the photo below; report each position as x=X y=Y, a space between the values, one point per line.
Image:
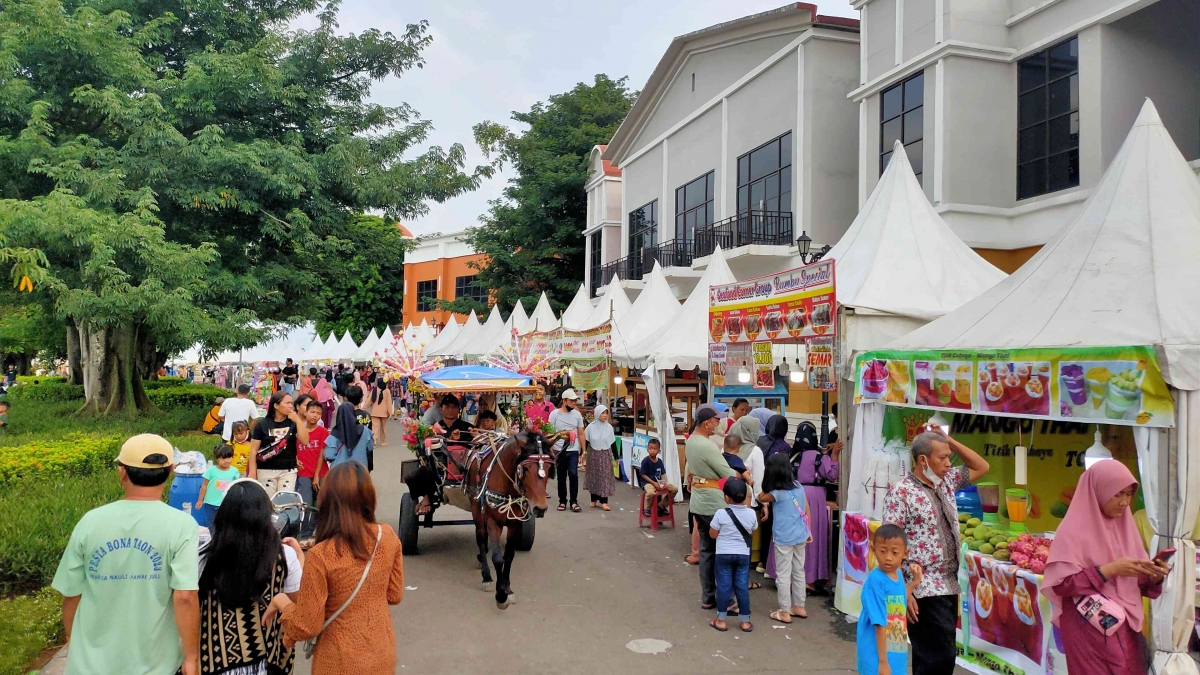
x=186 y=395
x=163 y=382
x=74 y=455
x=28 y=624
x=43 y=379
x=52 y=391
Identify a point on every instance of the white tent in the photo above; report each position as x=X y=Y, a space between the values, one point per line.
x=655 y=307
x=366 y=351
x=519 y=319
x=314 y=348
x=683 y=343
x=327 y=350
x=614 y=304
x=577 y=313
x=470 y=331
x=384 y=343
x=422 y=336
x=489 y=336
x=543 y=318
x=447 y=335
x=1123 y=273
x=345 y=348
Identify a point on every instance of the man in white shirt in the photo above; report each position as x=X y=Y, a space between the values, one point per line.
x=240 y=409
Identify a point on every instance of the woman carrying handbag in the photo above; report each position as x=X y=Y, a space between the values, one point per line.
x=351 y=575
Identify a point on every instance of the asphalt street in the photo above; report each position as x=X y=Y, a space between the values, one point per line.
x=593 y=595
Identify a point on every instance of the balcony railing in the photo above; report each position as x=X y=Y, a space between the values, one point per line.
x=752 y=227
x=674 y=253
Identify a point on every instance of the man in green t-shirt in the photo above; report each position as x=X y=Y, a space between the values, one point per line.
x=706 y=466
x=129 y=576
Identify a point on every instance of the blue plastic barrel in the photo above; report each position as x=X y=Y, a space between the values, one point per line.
x=185 y=493
x=966 y=500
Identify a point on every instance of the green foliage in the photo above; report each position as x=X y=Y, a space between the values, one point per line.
x=28 y=624
x=31 y=422
x=47 y=391
x=531 y=235
x=39 y=517
x=28 y=328
x=74 y=455
x=41 y=379
x=366 y=278
x=187 y=396
x=164 y=381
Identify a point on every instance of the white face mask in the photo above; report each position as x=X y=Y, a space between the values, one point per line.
x=931 y=476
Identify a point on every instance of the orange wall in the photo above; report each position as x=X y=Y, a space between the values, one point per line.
x=1008 y=260
x=448 y=269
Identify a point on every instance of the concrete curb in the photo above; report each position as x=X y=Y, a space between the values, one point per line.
x=57 y=665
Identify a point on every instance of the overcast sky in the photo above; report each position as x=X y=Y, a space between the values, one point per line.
x=491 y=58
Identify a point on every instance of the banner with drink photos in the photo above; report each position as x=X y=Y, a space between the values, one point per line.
x=1109 y=385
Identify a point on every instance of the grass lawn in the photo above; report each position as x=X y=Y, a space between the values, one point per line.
x=41 y=510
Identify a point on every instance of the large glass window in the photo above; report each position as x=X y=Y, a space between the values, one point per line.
x=465 y=287
x=643 y=228
x=595 y=260
x=693 y=206
x=902 y=118
x=1048 y=120
x=765 y=177
x=427 y=295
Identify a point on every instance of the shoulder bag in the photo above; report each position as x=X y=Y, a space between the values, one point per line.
x=740 y=528
x=310 y=645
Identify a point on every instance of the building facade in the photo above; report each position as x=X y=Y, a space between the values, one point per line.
x=439 y=268
x=743 y=137
x=1010 y=110
x=602 y=234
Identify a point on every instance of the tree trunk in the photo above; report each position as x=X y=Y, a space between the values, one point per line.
x=74 y=355
x=111 y=381
x=148 y=361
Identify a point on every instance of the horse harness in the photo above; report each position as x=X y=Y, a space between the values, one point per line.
x=509 y=506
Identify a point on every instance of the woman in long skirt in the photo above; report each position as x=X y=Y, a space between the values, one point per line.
x=600 y=438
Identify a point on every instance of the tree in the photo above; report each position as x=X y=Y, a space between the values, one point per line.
x=533 y=234
x=366 y=278
x=173 y=171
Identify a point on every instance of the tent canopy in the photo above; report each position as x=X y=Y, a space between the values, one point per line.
x=470 y=331
x=614 y=304
x=577 y=313
x=683 y=342
x=519 y=319
x=1124 y=273
x=447 y=335
x=655 y=307
x=900 y=257
x=367 y=349
x=422 y=336
x=543 y=318
x=475 y=378
x=488 y=337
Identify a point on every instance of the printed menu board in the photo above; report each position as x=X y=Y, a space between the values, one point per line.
x=1114 y=385
x=788 y=306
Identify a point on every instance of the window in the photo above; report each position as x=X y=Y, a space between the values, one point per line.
x=765 y=177
x=693 y=207
x=465 y=287
x=643 y=228
x=902 y=118
x=1048 y=120
x=595 y=260
x=427 y=295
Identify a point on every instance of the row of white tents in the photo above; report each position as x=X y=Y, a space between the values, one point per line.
x=302 y=344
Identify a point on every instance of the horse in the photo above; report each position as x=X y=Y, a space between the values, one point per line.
x=507 y=487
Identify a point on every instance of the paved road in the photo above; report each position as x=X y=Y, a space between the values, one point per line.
x=592 y=583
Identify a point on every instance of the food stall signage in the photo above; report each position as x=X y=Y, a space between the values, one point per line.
x=788 y=306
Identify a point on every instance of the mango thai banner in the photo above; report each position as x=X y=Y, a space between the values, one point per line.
x=781 y=307
x=1111 y=385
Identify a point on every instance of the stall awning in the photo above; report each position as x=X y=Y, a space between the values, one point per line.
x=747 y=391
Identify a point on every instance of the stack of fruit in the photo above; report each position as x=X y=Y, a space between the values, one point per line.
x=1030 y=552
x=980 y=537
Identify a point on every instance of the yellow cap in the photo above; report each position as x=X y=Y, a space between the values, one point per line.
x=135 y=451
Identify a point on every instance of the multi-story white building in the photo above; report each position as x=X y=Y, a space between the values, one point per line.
x=1010 y=110
x=743 y=137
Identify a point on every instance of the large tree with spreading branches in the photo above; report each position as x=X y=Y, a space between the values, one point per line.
x=173 y=170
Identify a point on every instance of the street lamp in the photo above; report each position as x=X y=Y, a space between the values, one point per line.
x=804 y=244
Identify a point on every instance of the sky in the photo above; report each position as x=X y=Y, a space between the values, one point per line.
x=491 y=58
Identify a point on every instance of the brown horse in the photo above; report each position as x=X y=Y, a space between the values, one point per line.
x=507 y=487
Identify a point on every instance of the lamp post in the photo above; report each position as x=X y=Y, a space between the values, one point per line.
x=808 y=257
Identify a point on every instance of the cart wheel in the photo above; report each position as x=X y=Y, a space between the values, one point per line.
x=408 y=526
x=528 y=530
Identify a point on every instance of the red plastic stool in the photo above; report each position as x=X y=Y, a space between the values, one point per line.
x=654 y=518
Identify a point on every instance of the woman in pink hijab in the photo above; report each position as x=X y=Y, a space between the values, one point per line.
x=1097 y=550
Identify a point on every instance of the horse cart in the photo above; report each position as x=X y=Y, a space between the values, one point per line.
x=448 y=465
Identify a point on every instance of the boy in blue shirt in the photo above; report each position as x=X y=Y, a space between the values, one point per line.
x=883 y=624
x=654 y=479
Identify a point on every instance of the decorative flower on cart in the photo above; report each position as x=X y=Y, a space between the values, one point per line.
x=527 y=356
x=405 y=360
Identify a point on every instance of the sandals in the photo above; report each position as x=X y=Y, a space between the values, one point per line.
x=801 y=616
x=575 y=508
x=604 y=507
x=746 y=627
x=562 y=506
x=713 y=623
x=754 y=585
x=778 y=615
x=691 y=560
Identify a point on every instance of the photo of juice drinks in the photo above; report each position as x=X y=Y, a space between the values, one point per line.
x=944 y=384
x=1100 y=389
